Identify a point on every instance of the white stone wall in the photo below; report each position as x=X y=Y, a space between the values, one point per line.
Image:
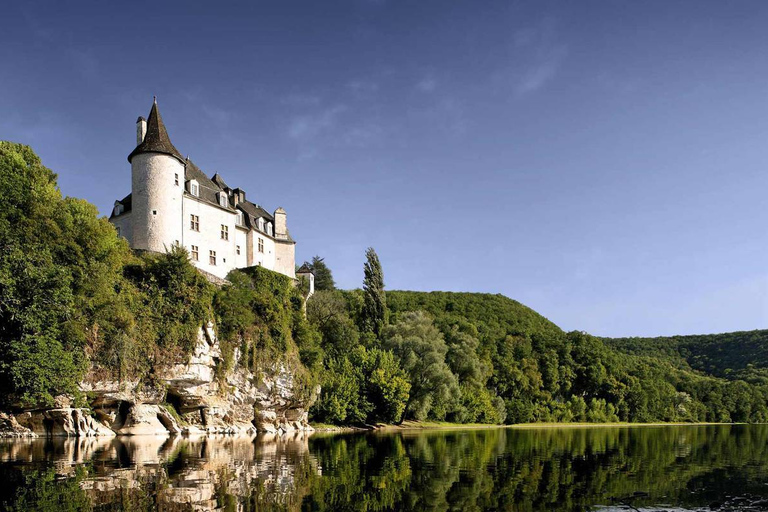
x=267 y=257
x=241 y=240
x=124 y=226
x=209 y=236
x=160 y=217
x=285 y=258
x=157 y=201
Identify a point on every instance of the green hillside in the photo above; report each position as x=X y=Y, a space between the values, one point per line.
x=527 y=369
x=734 y=355
x=493 y=315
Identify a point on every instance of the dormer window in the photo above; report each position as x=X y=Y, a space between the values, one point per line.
x=194 y=188
x=261 y=223
x=239 y=218
x=223 y=199
x=118 y=209
x=269 y=228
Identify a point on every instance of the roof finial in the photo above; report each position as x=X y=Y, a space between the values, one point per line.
x=154 y=99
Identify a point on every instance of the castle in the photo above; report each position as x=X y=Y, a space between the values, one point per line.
x=172 y=202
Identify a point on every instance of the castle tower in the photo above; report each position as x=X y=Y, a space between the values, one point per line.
x=157 y=182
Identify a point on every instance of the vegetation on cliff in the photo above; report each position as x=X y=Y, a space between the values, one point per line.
x=74 y=297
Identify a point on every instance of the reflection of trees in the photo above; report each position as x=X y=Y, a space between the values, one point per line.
x=470 y=470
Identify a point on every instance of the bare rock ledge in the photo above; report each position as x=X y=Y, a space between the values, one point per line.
x=187 y=400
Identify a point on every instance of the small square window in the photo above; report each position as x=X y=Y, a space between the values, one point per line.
x=195 y=253
x=237 y=247
x=212 y=257
x=154 y=212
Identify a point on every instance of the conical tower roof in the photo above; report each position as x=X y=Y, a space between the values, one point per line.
x=156 y=140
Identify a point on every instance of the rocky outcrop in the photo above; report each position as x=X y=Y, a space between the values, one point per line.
x=185 y=398
x=65 y=421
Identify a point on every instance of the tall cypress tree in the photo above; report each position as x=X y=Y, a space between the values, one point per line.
x=375 y=313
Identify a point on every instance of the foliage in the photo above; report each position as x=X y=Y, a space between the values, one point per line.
x=323 y=276
x=74 y=296
x=374 y=312
x=733 y=356
x=421 y=349
x=365 y=386
x=260 y=313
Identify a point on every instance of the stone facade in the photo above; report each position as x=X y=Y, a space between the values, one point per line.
x=173 y=202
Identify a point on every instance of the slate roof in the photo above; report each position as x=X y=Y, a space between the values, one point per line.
x=208 y=190
x=218 y=180
x=156 y=140
x=304 y=269
x=127 y=204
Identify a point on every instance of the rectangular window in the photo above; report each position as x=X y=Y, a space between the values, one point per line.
x=118 y=234
x=212 y=257
x=194 y=222
x=261 y=245
x=195 y=253
x=193 y=189
x=224 y=232
x=222 y=200
x=238 y=249
x=176 y=179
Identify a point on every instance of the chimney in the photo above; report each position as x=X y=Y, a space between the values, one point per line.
x=281 y=228
x=238 y=196
x=141 y=130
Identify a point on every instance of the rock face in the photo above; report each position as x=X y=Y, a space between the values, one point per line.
x=187 y=398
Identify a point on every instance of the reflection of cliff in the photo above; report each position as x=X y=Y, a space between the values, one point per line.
x=175 y=473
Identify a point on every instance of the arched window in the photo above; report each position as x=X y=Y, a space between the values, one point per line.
x=269 y=228
x=223 y=199
x=239 y=218
x=261 y=223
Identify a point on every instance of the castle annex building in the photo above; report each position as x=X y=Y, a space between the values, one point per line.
x=173 y=202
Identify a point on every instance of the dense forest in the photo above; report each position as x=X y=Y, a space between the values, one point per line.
x=732 y=355
x=74 y=298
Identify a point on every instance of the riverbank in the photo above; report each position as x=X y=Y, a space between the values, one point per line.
x=445 y=425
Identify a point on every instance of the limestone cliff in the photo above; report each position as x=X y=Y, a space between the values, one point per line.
x=184 y=398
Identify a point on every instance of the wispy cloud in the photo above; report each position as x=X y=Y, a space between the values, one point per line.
x=309 y=126
x=538 y=55
x=544 y=70
x=426 y=85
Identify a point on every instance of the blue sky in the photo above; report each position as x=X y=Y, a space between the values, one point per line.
x=605 y=163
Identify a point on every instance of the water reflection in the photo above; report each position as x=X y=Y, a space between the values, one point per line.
x=692 y=467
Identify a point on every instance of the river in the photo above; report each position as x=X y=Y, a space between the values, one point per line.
x=718 y=467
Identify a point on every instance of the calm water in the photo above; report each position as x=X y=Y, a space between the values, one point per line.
x=643 y=468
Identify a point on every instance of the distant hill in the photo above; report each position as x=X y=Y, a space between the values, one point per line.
x=734 y=355
x=494 y=315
